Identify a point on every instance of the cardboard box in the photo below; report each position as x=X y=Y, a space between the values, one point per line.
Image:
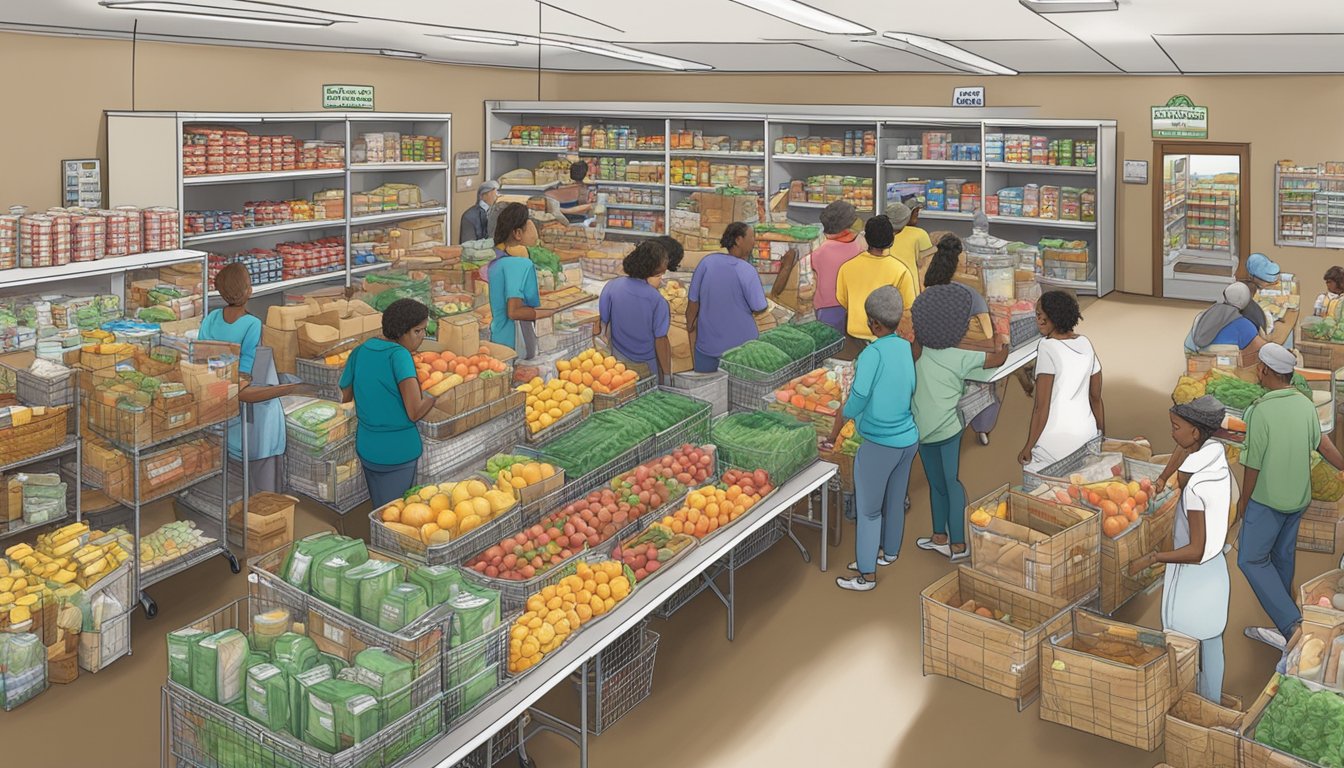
x=419 y=234
x=284 y=346
x=349 y=319
x=682 y=355
x=497 y=351
x=460 y=334
x=270 y=521
x=718 y=211
x=289 y=317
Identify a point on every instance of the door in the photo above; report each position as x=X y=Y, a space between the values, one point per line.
x=1201 y=218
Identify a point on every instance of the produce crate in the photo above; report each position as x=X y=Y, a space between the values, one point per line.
x=446 y=458
x=453 y=552
x=645 y=383
x=630 y=458
x=474 y=672
x=1201 y=734
x=748 y=388
x=1223 y=358
x=845 y=468
x=694 y=429
x=710 y=387
x=437 y=428
x=35 y=390
x=1044 y=547
x=319 y=439
x=977 y=399
x=566 y=341
x=1325 y=355
x=994 y=655
x=335 y=478
x=624 y=678
x=530 y=497
x=1252 y=753
x=166 y=470
x=513 y=594
x=1317 y=535
x=99 y=649
x=325 y=378
x=757 y=544
x=42 y=434
x=1022 y=328
x=1115 y=700
x=567 y=422
x=781 y=460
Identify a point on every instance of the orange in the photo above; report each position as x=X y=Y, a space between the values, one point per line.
x=1108 y=508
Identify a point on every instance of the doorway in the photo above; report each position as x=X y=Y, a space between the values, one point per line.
x=1201 y=218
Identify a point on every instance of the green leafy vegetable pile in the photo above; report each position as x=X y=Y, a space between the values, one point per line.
x=821 y=333
x=800 y=232
x=1235 y=393
x=599 y=439
x=1304 y=723
x=660 y=411
x=775 y=442
x=753 y=359
x=1326 y=330
x=797 y=344
x=545 y=259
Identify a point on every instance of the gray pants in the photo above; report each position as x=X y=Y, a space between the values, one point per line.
x=266 y=475
x=881 y=477
x=388 y=482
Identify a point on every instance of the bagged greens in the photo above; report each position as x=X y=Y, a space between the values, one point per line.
x=180 y=644
x=23 y=668
x=299 y=686
x=340 y=714
x=440 y=582
x=218 y=664
x=363 y=587
x=268 y=697
x=328 y=576
x=402 y=604
x=390 y=677
x=298 y=566
x=475 y=613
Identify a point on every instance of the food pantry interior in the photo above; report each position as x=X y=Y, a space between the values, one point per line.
x=538 y=383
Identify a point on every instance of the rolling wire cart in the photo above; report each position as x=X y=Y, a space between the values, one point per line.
x=313 y=462
x=54 y=460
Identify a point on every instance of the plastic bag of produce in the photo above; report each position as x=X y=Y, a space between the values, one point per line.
x=440 y=582
x=390 y=677
x=474 y=691
x=299 y=686
x=217 y=666
x=340 y=714
x=328 y=575
x=475 y=612
x=363 y=587
x=402 y=604
x=334 y=663
x=268 y=697
x=294 y=653
x=23 y=668
x=307 y=551
x=266 y=627
x=180 y=644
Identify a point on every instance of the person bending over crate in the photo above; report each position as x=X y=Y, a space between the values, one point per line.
x=1067 y=411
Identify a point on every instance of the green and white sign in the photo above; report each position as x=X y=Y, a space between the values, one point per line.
x=347 y=97
x=1179 y=118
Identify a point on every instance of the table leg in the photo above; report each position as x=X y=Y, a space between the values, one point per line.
x=732 y=598
x=583 y=715
x=825 y=511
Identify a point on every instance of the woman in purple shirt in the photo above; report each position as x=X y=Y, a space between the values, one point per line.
x=635 y=315
x=729 y=289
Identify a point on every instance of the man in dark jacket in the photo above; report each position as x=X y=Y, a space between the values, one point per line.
x=474 y=224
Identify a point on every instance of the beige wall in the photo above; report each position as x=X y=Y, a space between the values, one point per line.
x=66 y=83
x=61 y=86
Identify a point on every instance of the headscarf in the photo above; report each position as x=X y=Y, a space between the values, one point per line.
x=1236 y=298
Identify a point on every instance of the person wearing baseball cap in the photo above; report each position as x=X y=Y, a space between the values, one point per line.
x=475 y=220
x=1196 y=588
x=1282 y=430
x=1260 y=273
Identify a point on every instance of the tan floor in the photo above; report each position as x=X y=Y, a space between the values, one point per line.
x=815 y=676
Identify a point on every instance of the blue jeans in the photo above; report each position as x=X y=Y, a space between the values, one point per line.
x=947 y=497
x=1267 y=555
x=881 y=476
x=388 y=482
x=704 y=363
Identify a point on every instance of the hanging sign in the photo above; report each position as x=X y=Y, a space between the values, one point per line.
x=347 y=97
x=1179 y=118
x=969 y=96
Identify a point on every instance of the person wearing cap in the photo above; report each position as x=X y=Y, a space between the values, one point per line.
x=940 y=316
x=912 y=245
x=879 y=402
x=1067 y=411
x=1282 y=430
x=1260 y=273
x=1196 y=589
x=842 y=244
x=1226 y=322
x=475 y=223
x=1327 y=304
x=870 y=270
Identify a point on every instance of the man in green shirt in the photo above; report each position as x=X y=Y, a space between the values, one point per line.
x=1282 y=430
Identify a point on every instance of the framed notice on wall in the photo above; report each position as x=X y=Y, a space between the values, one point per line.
x=82 y=183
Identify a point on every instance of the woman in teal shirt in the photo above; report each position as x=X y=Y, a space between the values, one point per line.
x=879 y=403
x=512 y=277
x=380 y=378
x=262 y=390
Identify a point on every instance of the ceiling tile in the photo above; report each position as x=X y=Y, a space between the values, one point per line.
x=1066 y=55
x=1240 y=53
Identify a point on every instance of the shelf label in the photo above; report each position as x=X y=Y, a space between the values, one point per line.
x=969 y=96
x=1179 y=118
x=347 y=97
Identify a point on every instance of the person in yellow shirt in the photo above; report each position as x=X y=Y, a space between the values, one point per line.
x=911 y=245
x=869 y=271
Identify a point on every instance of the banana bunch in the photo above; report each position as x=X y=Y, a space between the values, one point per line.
x=1187 y=389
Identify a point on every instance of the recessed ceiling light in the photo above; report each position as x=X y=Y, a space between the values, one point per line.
x=608 y=50
x=805 y=15
x=482 y=39
x=400 y=54
x=906 y=41
x=1071 y=6
x=216 y=13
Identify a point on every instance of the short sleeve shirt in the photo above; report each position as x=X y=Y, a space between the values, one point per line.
x=1282 y=429
x=940 y=376
x=637 y=314
x=729 y=292
x=1240 y=332
x=510 y=277
x=1208 y=490
x=909 y=243
x=375 y=370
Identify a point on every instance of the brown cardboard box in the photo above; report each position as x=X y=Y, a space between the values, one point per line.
x=692 y=260
x=718 y=211
x=289 y=317
x=419 y=234
x=349 y=319
x=284 y=347
x=682 y=354
x=270 y=521
x=460 y=334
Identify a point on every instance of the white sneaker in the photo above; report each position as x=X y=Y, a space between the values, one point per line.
x=882 y=560
x=983 y=437
x=957 y=557
x=856 y=583
x=927 y=543
x=1267 y=635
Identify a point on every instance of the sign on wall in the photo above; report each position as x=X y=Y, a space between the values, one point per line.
x=82 y=183
x=1136 y=172
x=969 y=96
x=1179 y=118
x=347 y=97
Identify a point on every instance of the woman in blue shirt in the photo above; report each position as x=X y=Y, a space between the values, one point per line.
x=879 y=403
x=635 y=315
x=380 y=378
x=512 y=278
x=1227 y=322
x=262 y=388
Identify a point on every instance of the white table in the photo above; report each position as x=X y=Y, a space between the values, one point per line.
x=518 y=695
x=1016 y=359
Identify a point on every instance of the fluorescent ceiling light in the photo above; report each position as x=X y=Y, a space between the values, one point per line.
x=608 y=50
x=806 y=16
x=906 y=41
x=1071 y=6
x=400 y=54
x=216 y=13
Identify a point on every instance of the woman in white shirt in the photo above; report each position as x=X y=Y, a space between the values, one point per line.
x=1067 y=413
x=1196 y=588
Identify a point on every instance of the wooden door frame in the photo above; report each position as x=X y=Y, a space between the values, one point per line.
x=1161 y=148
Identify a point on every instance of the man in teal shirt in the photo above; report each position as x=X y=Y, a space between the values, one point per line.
x=380 y=378
x=1282 y=430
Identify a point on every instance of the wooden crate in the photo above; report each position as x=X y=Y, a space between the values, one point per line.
x=1317 y=535
x=1253 y=754
x=1120 y=701
x=1324 y=355
x=1044 y=547
x=1201 y=734
x=989 y=654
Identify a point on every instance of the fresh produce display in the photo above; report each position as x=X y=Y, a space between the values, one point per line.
x=1234 y=392
x=435 y=514
x=983 y=515
x=712 y=507
x=818 y=392
x=797 y=344
x=850 y=439
x=338 y=358
x=174 y=540
x=545 y=259
x=821 y=333
x=647 y=487
x=775 y=442
x=502 y=461
x=660 y=411
x=677 y=296
x=454 y=307
x=1304 y=723
x=557 y=611
x=753 y=359
x=519 y=476
x=1327 y=329
x=599 y=439
x=1120 y=502
x=682 y=468
x=1188 y=389
x=552 y=401
x=651 y=549
x=439 y=372
x=1326 y=484
x=63 y=562
x=604 y=374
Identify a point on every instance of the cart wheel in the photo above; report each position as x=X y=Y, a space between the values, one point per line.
x=233 y=562
x=151 y=607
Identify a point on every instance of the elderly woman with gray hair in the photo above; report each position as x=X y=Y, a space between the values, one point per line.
x=879 y=403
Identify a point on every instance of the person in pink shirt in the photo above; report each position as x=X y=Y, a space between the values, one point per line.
x=842 y=244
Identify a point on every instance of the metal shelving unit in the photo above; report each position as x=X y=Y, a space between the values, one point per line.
x=70 y=447
x=1309 y=205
